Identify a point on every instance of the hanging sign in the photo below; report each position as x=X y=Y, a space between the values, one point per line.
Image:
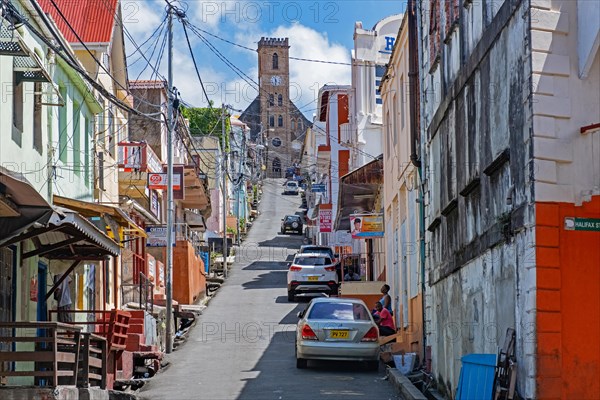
x=325 y=218
x=366 y=226
x=158 y=181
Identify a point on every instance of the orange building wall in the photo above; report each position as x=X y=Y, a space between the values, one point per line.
x=343 y=113
x=189 y=282
x=412 y=336
x=344 y=162
x=568 y=303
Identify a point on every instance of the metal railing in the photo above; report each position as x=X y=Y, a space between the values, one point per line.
x=141 y=292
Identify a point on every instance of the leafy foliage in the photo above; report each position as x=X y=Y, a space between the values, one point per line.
x=205 y=121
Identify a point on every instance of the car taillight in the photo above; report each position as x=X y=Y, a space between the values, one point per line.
x=371 y=336
x=330 y=269
x=308 y=333
x=295 y=268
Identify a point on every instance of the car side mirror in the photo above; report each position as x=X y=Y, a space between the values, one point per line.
x=300 y=314
x=289 y=265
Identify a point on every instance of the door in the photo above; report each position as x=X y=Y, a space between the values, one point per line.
x=6 y=292
x=42 y=309
x=404 y=274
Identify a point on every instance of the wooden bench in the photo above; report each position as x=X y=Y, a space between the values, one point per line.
x=55 y=355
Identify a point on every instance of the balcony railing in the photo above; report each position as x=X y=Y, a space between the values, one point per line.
x=138 y=156
x=54 y=353
x=141 y=293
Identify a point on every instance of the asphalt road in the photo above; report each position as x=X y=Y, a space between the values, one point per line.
x=242 y=347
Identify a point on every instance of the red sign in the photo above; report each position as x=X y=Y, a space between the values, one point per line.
x=325 y=218
x=158 y=181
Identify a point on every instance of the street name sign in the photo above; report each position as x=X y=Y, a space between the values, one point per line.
x=318 y=188
x=582 y=224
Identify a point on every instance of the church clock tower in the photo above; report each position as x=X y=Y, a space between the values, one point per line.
x=274 y=95
x=272 y=113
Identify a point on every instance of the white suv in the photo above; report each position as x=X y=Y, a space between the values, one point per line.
x=311 y=273
x=291 y=187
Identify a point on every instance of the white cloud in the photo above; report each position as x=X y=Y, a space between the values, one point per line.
x=140 y=17
x=233 y=19
x=306 y=78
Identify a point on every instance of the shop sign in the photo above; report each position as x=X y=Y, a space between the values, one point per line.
x=157 y=236
x=325 y=218
x=366 y=226
x=158 y=181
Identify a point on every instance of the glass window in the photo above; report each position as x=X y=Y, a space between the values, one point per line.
x=339 y=311
x=312 y=261
x=271 y=100
x=62 y=126
x=37 y=117
x=275 y=61
x=272 y=120
x=279 y=100
x=280 y=121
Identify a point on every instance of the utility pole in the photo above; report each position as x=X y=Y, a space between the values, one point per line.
x=170 y=205
x=224 y=182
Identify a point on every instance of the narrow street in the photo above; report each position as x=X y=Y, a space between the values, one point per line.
x=242 y=347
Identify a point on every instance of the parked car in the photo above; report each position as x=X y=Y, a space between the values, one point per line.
x=292 y=223
x=311 y=273
x=291 y=187
x=337 y=329
x=326 y=250
x=319 y=249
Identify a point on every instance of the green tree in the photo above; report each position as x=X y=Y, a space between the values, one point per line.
x=206 y=121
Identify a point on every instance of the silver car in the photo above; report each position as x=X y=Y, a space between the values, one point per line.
x=337 y=329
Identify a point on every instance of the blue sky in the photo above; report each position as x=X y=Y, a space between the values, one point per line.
x=317 y=30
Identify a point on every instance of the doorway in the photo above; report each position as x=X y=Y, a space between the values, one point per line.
x=42 y=308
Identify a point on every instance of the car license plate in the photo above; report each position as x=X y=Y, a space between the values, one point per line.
x=313 y=278
x=337 y=334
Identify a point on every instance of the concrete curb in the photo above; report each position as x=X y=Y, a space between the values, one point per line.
x=407 y=390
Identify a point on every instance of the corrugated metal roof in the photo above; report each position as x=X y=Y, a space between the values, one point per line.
x=93 y=20
x=147 y=84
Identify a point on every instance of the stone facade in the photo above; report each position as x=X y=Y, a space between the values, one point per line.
x=272 y=116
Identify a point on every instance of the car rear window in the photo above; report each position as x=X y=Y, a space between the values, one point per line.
x=312 y=261
x=339 y=311
x=317 y=250
x=293 y=218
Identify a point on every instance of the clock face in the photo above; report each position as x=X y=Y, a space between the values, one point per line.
x=276 y=80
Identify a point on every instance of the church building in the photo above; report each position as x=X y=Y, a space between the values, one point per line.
x=273 y=118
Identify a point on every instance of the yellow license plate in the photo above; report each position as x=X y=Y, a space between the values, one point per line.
x=313 y=278
x=338 y=334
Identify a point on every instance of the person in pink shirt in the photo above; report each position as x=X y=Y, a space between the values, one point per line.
x=384 y=320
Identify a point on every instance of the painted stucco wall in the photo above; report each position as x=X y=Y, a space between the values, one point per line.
x=372 y=49
x=402 y=249
x=476 y=121
x=567 y=185
x=18 y=152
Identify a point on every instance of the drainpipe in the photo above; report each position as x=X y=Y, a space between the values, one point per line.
x=415 y=94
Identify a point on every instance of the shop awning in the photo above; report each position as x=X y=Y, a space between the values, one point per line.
x=21 y=205
x=358 y=192
x=66 y=236
x=111 y=215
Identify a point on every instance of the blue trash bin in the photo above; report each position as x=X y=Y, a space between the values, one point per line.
x=476 y=380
